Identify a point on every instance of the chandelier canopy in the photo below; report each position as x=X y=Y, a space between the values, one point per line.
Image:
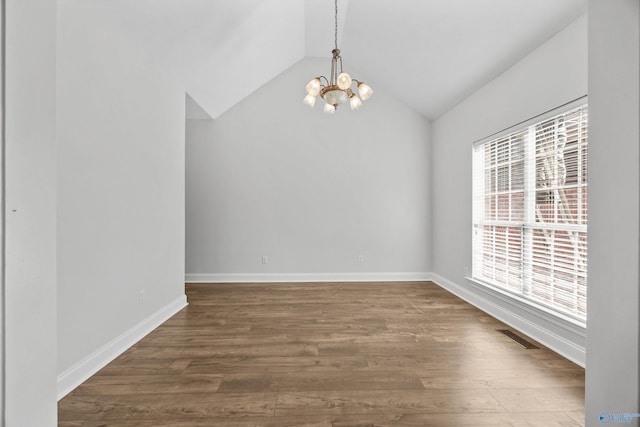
x=337 y=89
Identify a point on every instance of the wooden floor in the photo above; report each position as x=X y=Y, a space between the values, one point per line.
x=339 y=354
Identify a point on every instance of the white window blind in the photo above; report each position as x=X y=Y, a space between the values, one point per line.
x=530 y=212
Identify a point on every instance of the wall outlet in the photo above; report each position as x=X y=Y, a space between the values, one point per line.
x=265 y=259
x=360 y=259
x=140 y=297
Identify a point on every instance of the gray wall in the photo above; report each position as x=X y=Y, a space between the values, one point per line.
x=614 y=163
x=30 y=298
x=120 y=192
x=312 y=192
x=2 y=228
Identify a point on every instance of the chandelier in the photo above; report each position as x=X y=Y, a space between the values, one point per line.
x=337 y=89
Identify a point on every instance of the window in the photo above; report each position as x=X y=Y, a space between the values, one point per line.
x=530 y=213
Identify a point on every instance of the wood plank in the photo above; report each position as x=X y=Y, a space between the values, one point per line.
x=115 y=385
x=322 y=380
x=212 y=351
x=381 y=401
x=296 y=421
x=566 y=399
x=138 y=366
x=167 y=406
x=446 y=359
x=531 y=419
x=238 y=365
x=470 y=378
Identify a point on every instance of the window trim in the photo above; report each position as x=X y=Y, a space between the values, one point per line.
x=517 y=299
x=557 y=317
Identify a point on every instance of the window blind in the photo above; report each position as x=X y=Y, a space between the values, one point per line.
x=530 y=212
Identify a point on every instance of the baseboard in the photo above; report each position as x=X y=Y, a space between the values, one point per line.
x=80 y=372
x=562 y=337
x=306 y=277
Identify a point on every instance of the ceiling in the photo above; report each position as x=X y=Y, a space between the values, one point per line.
x=431 y=54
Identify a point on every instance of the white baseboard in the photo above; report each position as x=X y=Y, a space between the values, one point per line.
x=81 y=371
x=306 y=277
x=562 y=337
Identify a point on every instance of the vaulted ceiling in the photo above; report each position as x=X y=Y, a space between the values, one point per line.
x=430 y=53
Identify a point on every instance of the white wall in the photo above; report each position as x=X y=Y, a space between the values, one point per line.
x=120 y=195
x=312 y=192
x=30 y=298
x=548 y=77
x=613 y=362
x=2 y=227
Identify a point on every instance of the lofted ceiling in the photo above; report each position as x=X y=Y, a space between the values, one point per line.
x=431 y=54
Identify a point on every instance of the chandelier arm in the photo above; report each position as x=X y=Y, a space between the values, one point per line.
x=333 y=71
x=325 y=79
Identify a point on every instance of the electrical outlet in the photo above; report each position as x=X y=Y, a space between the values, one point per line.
x=360 y=259
x=140 y=297
x=265 y=259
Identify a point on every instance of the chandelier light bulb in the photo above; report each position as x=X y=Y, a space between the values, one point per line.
x=329 y=109
x=355 y=102
x=313 y=87
x=310 y=100
x=344 y=81
x=365 y=91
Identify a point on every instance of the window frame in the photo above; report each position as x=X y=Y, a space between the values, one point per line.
x=524 y=127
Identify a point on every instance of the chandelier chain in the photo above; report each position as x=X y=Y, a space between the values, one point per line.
x=336 y=27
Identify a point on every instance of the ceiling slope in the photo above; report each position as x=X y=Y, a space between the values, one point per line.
x=219 y=50
x=431 y=54
x=434 y=53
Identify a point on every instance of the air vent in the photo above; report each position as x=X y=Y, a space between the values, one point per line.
x=526 y=344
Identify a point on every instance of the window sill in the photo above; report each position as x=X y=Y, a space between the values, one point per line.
x=534 y=308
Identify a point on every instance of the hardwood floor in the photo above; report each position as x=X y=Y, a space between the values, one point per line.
x=329 y=354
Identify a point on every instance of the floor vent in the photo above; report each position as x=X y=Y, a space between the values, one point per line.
x=526 y=344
